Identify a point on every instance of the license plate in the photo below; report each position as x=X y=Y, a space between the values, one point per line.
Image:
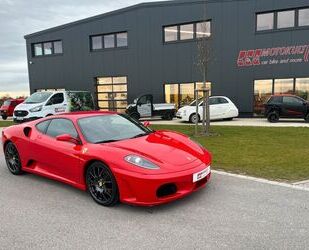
x=202 y=174
x=19 y=118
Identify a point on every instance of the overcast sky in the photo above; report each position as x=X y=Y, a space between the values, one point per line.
x=21 y=17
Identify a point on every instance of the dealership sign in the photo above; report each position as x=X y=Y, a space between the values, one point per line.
x=271 y=56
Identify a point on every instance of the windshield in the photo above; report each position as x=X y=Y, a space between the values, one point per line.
x=109 y=128
x=38 y=97
x=194 y=102
x=7 y=103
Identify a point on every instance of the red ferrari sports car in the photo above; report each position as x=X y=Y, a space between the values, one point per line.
x=111 y=155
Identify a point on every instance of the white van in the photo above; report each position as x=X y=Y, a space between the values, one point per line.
x=46 y=103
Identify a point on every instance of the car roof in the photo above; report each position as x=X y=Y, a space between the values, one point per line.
x=285 y=95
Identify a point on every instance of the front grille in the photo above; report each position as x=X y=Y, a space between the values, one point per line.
x=20 y=113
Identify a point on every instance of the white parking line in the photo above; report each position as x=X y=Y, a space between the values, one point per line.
x=276 y=183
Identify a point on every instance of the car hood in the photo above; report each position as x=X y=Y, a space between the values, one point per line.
x=169 y=150
x=27 y=106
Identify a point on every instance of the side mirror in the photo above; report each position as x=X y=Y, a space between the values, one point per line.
x=68 y=138
x=146 y=123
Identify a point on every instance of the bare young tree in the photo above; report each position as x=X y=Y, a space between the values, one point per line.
x=203 y=59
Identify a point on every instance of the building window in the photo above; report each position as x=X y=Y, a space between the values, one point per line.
x=284 y=86
x=263 y=89
x=122 y=39
x=265 y=21
x=182 y=94
x=96 y=42
x=109 y=41
x=112 y=93
x=58 y=47
x=186 y=31
x=38 y=51
x=302 y=88
x=202 y=29
x=47 y=48
x=286 y=19
x=303 y=17
x=171 y=33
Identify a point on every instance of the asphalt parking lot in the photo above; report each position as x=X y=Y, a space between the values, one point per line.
x=229 y=213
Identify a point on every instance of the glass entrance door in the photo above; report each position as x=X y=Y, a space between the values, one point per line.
x=112 y=93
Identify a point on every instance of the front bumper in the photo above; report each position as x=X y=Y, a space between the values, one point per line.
x=142 y=190
x=25 y=119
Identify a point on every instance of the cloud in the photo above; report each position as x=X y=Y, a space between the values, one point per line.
x=20 y=17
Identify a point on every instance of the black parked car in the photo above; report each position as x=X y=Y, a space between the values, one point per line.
x=286 y=106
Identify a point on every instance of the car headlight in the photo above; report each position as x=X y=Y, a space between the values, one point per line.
x=140 y=162
x=36 y=109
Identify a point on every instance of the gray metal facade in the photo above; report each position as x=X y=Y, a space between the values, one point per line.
x=149 y=63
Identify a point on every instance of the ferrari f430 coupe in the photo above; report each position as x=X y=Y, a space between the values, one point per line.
x=111 y=155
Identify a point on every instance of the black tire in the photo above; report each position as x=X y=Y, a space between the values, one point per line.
x=273 y=117
x=12 y=159
x=307 y=118
x=168 y=116
x=49 y=115
x=135 y=116
x=229 y=119
x=192 y=118
x=101 y=184
x=4 y=117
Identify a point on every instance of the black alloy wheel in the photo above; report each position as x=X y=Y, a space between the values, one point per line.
x=273 y=117
x=12 y=159
x=102 y=184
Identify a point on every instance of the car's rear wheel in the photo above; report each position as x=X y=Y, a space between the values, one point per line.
x=102 y=184
x=307 y=118
x=12 y=159
x=4 y=117
x=193 y=118
x=273 y=117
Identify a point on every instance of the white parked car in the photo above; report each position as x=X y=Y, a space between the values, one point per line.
x=220 y=108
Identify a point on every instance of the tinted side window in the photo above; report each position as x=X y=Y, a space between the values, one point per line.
x=42 y=126
x=213 y=101
x=275 y=100
x=222 y=100
x=56 y=99
x=289 y=100
x=60 y=127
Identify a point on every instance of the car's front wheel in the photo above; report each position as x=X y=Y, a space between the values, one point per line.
x=307 y=118
x=4 y=117
x=12 y=159
x=273 y=116
x=193 y=118
x=102 y=184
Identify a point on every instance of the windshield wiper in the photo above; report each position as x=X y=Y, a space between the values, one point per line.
x=139 y=135
x=98 y=142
